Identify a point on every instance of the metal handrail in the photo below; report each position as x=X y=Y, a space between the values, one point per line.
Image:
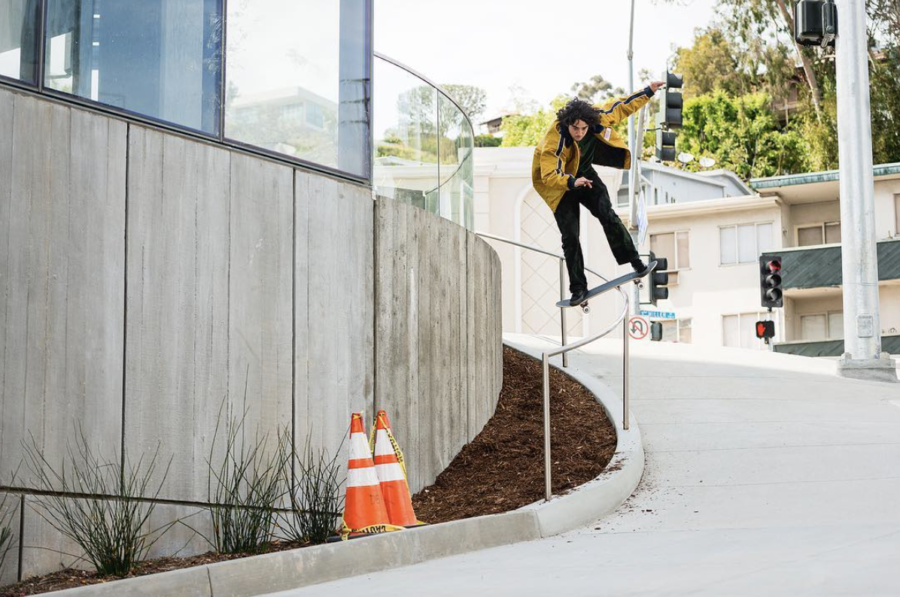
x=566 y=348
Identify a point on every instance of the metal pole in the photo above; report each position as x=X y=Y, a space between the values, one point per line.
x=547 y=490
x=634 y=144
x=562 y=310
x=862 y=327
x=625 y=373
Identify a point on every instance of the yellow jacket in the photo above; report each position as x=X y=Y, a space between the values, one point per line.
x=556 y=157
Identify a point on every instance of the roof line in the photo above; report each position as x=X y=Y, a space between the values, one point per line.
x=816 y=177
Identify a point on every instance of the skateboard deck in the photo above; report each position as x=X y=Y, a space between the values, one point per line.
x=608 y=286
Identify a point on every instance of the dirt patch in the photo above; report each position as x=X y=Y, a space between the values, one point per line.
x=503 y=468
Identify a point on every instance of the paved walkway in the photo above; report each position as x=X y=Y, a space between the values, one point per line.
x=766 y=475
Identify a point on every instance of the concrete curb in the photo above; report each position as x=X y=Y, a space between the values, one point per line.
x=313 y=565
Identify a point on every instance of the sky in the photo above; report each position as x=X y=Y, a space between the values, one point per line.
x=500 y=44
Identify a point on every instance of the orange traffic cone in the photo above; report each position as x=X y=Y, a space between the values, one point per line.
x=392 y=474
x=364 y=509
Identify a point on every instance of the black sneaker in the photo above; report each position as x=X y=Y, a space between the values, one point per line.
x=578 y=297
x=639 y=266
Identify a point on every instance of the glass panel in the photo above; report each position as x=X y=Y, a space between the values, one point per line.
x=663 y=245
x=454 y=147
x=731 y=333
x=19 y=39
x=159 y=58
x=297 y=79
x=406 y=158
x=747 y=243
x=763 y=239
x=727 y=245
x=808 y=237
x=684 y=330
x=812 y=327
x=835 y=325
x=833 y=233
x=684 y=250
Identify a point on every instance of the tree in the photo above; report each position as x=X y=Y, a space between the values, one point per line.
x=754 y=21
x=742 y=134
x=710 y=64
x=596 y=90
x=528 y=130
x=470 y=98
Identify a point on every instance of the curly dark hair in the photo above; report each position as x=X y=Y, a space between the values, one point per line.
x=577 y=109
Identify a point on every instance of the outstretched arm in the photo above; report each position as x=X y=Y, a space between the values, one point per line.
x=623 y=107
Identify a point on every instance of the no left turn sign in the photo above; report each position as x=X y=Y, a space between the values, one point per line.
x=638 y=327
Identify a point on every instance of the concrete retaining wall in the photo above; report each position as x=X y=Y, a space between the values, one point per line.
x=147 y=278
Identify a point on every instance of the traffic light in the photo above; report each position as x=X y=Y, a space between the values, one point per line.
x=665 y=146
x=770 y=281
x=815 y=22
x=765 y=330
x=658 y=280
x=656 y=331
x=670 y=105
x=671 y=101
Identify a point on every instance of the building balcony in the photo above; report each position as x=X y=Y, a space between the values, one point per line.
x=820 y=266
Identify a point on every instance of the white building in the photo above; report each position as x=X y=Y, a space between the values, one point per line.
x=713 y=241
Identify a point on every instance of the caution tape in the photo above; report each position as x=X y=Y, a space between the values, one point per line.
x=375 y=529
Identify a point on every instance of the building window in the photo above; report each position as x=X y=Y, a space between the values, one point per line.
x=677 y=330
x=744 y=243
x=314 y=53
x=817 y=327
x=674 y=246
x=897 y=215
x=827 y=233
x=739 y=331
x=19 y=39
x=157 y=58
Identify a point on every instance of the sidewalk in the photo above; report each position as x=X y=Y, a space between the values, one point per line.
x=766 y=475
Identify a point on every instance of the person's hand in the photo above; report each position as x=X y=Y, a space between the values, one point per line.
x=656 y=85
x=583 y=182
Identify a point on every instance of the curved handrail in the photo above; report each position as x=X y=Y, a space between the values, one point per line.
x=566 y=348
x=419 y=75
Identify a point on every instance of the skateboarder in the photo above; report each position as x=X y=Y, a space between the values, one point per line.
x=563 y=175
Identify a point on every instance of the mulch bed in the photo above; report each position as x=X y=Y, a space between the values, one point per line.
x=501 y=470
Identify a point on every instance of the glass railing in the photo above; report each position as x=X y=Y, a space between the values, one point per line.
x=423 y=144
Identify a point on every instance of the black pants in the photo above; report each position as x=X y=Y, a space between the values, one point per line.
x=567 y=215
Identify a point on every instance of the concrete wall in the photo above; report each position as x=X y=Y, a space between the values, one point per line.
x=148 y=279
x=437 y=321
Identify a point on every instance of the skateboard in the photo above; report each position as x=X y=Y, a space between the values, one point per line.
x=609 y=286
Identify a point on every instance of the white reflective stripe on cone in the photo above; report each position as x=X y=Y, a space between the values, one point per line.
x=389 y=472
x=359 y=446
x=383 y=445
x=362 y=477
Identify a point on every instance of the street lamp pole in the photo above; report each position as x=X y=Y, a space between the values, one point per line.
x=862 y=326
x=633 y=184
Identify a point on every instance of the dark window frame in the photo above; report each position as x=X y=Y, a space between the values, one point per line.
x=219 y=138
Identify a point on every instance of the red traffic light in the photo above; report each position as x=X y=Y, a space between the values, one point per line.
x=773 y=266
x=765 y=329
